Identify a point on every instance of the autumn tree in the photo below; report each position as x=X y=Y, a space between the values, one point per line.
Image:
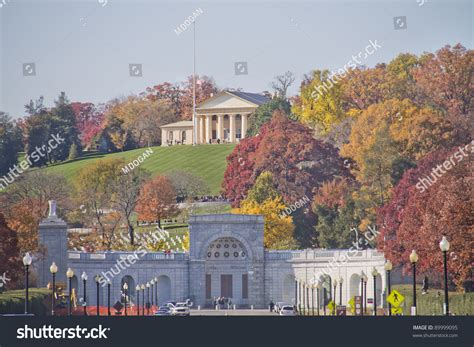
x=95 y=188
x=158 y=200
x=278 y=230
x=263 y=189
x=281 y=83
x=187 y=185
x=25 y=204
x=10 y=259
x=88 y=119
x=418 y=218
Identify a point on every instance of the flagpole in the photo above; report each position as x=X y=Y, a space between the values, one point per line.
x=194 y=86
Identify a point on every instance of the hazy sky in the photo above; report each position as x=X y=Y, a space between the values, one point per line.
x=85 y=47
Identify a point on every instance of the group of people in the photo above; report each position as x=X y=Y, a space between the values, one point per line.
x=222 y=302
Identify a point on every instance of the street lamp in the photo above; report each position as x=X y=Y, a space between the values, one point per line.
x=108 y=297
x=27 y=262
x=374 y=275
x=307 y=297
x=318 y=287
x=125 y=288
x=152 y=282
x=137 y=289
x=84 y=299
x=97 y=281
x=341 y=280
x=143 y=299
x=53 y=269
x=312 y=299
x=303 y=285
x=69 y=274
x=365 y=293
x=156 y=291
x=413 y=260
x=148 y=298
x=444 y=246
x=388 y=268
x=334 y=297
x=299 y=296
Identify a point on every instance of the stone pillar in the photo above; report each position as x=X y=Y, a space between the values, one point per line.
x=220 y=127
x=208 y=128
x=232 y=128
x=53 y=237
x=201 y=129
x=196 y=124
x=243 y=129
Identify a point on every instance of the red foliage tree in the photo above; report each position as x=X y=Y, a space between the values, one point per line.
x=88 y=121
x=418 y=220
x=10 y=260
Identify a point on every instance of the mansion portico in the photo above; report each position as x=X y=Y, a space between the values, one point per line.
x=221 y=119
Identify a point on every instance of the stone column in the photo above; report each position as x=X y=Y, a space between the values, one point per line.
x=243 y=129
x=208 y=127
x=201 y=129
x=220 y=127
x=232 y=128
x=196 y=124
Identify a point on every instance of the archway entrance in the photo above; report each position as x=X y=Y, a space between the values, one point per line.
x=227 y=273
x=164 y=289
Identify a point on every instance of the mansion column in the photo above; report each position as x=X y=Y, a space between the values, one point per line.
x=201 y=129
x=220 y=127
x=243 y=128
x=208 y=127
x=232 y=128
x=196 y=124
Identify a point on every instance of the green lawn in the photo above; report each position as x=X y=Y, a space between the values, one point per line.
x=205 y=161
x=430 y=303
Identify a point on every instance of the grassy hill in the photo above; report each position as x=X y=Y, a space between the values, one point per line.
x=205 y=161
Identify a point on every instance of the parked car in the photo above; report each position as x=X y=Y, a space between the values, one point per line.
x=163 y=311
x=287 y=311
x=180 y=309
x=279 y=305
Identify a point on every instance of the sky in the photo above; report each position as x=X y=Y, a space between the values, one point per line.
x=84 y=48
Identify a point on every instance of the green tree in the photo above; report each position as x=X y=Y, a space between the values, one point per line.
x=263 y=189
x=264 y=113
x=10 y=143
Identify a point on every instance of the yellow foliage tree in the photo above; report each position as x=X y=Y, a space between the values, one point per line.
x=278 y=228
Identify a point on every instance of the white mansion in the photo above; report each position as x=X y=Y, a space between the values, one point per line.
x=223 y=118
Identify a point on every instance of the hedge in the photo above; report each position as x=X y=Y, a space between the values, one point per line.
x=13 y=301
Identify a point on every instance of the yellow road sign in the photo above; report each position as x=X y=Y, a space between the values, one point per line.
x=395 y=298
x=331 y=305
x=397 y=310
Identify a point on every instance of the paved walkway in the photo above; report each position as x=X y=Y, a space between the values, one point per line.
x=239 y=312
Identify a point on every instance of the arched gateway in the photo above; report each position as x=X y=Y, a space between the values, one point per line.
x=226 y=258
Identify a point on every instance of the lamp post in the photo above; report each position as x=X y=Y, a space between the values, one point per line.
x=137 y=289
x=156 y=291
x=152 y=283
x=318 y=286
x=69 y=274
x=324 y=300
x=108 y=297
x=143 y=299
x=374 y=275
x=27 y=262
x=303 y=285
x=299 y=296
x=148 y=298
x=362 y=291
x=341 y=280
x=53 y=269
x=388 y=268
x=307 y=297
x=413 y=260
x=125 y=288
x=296 y=293
x=97 y=281
x=365 y=293
x=312 y=299
x=334 y=297
x=84 y=299
x=444 y=246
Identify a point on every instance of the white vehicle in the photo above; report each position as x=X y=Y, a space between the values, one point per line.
x=287 y=311
x=180 y=309
x=279 y=305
